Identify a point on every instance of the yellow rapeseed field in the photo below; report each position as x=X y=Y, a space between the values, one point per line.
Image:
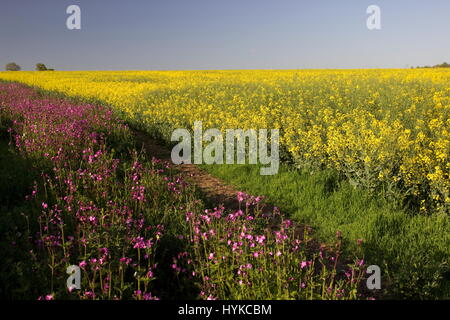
x=384 y=129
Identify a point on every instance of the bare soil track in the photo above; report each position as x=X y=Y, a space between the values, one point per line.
x=214 y=190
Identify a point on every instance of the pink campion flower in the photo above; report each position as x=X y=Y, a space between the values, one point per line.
x=89 y=294
x=189 y=215
x=125 y=260
x=82 y=264
x=44 y=205
x=260 y=239
x=137 y=293
x=150 y=274
x=204 y=236
x=206 y=218
x=360 y=262
x=149 y=243
x=47 y=297
x=211 y=256
x=280 y=236
x=241 y=196
x=138 y=243
x=287 y=223
x=148 y=296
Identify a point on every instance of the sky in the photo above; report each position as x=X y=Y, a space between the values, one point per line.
x=225 y=34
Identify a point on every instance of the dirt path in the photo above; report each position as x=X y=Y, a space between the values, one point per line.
x=215 y=190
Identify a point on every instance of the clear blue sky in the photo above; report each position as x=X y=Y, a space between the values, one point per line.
x=223 y=34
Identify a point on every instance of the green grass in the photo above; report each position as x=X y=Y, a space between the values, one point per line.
x=412 y=250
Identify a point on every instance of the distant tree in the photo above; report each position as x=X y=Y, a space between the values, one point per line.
x=41 y=67
x=12 y=66
x=443 y=65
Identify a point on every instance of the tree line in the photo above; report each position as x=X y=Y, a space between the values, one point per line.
x=442 y=65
